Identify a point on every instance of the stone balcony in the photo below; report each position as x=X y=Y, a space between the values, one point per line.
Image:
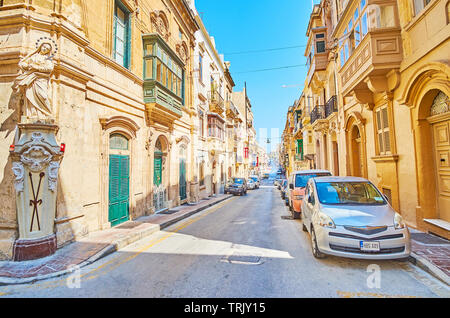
x=374 y=60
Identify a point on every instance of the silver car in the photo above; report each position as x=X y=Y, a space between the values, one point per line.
x=349 y=217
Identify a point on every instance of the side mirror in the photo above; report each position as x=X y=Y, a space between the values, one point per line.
x=291 y=186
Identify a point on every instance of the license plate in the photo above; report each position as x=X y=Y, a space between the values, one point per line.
x=369 y=246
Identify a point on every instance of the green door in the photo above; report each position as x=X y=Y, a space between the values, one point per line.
x=119 y=194
x=183 y=179
x=157 y=176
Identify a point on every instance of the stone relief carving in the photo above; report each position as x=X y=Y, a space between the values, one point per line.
x=160 y=23
x=33 y=84
x=36 y=157
x=19 y=173
x=53 y=168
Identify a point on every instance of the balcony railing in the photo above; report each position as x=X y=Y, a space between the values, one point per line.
x=317 y=113
x=216 y=101
x=331 y=106
x=231 y=109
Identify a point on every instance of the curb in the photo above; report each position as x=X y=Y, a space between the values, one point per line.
x=111 y=248
x=429 y=268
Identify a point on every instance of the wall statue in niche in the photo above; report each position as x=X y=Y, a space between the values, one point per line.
x=33 y=84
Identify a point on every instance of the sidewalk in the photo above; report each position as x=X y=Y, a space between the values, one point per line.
x=98 y=244
x=432 y=254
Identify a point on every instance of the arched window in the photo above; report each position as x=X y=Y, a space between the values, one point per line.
x=118 y=141
x=441 y=104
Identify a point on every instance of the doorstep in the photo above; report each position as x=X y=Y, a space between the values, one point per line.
x=96 y=245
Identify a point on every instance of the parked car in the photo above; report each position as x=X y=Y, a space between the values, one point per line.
x=349 y=217
x=256 y=180
x=251 y=185
x=297 y=184
x=236 y=186
x=284 y=188
x=266 y=176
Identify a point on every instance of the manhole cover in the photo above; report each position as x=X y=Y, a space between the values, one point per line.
x=425 y=238
x=286 y=217
x=244 y=259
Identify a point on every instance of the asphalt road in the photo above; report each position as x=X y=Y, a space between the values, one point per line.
x=243 y=247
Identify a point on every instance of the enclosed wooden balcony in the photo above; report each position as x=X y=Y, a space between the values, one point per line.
x=375 y=57
x=370 y=47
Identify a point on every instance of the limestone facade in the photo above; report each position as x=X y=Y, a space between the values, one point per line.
x=387 y=63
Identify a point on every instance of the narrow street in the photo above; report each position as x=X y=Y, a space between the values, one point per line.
x=243 y=247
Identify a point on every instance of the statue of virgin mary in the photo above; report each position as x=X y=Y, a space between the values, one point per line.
x=33 y=83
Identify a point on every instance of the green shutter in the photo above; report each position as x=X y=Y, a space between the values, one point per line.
x=119 y=193
x=157 y=175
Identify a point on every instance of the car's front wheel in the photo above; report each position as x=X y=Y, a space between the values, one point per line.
x=315 y=249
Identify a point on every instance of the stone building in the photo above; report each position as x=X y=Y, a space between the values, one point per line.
x=380 y=97
x=121 y=94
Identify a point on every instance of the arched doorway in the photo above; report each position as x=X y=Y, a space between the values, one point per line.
x=119 y=179
x=182 y=181
x=440 y=131
x=356 y=152
x=160 y=202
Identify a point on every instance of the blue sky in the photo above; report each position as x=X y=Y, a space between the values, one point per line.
x=248 y=25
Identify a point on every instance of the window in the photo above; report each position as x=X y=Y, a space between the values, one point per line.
x=320 y=44
x=384 y=145
x=121 y=36
x=419 y=5
x=117 y=141
x=349 y=193
x=201 y=124
x=200 y=68
x=215 y=128
x=357 y=29
x=202 y=174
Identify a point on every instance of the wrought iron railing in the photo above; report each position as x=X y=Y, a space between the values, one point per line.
x=317 y=113
x=331 y=106
x=160 y=198
x=215 y=97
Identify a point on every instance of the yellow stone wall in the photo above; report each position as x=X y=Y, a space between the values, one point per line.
x=92 y=97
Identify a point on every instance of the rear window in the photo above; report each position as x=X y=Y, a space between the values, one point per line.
x=302 y=179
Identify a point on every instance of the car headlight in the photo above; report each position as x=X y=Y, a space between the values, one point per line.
x=326 y=221
x=298 y=197
x=398 y=222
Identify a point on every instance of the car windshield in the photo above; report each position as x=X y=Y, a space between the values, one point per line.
x=239 y=181
x=302 y=179
x=354 y=193
x=254 y=178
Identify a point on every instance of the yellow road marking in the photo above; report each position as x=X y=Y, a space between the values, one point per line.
x=59 y=283
x=143 y=249
x=345 y=294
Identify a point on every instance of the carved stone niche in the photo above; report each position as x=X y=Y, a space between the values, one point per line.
x=36 y=158
x=160 y=23
x=182 y=50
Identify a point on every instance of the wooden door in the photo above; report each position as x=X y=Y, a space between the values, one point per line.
x=441 y=134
